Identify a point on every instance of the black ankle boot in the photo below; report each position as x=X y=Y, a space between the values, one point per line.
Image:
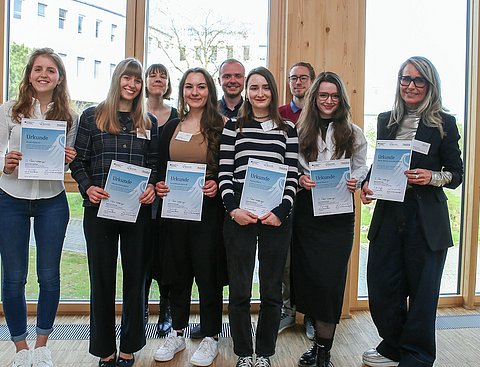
x=309 y=358
x=323 y=358
x=164 y=324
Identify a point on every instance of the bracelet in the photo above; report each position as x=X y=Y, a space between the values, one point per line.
x=232 y=217
x=5 y=172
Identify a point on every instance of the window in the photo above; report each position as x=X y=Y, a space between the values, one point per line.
x=113 y=32
x=96 y=69
x=112 y=69
x=62 y=16
x=97 y=28
x=229 y=52
x=17 y=9
x=383 y=57
x=80 y=23
x=200 y=38
x=80 y=66
x=246 y=53
x=41 y=9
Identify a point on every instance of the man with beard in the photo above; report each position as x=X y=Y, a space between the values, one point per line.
x=301 y=76
x=232 y=80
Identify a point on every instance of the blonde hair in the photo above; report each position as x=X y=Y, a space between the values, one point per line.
x=106 y=114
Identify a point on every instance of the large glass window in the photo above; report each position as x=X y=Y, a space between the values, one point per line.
x=395 y=31
x=86 y=88
x=204 y=37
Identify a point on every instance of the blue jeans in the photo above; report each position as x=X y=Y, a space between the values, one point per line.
x=50 y=224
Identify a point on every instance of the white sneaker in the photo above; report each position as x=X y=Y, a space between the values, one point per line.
x=286 y=321
x=42 y=357
x=374 y=359
x=173 y=344
x=206 y=352
x=23 y=358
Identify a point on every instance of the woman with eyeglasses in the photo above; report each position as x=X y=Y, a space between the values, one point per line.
x=409 y=240
x=322 y=244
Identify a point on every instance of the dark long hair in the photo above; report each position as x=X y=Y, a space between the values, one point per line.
x=246 y=112
x=310 y=124
x=211 y=122
x=61 y=109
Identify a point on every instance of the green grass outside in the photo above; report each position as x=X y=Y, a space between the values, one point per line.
x=74 y=269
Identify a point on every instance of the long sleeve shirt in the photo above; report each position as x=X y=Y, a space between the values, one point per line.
x=10 y=132
x=274 y=145
x=326 y=149
x=96 y=150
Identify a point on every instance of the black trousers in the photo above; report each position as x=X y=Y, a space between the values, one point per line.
x=102 y=237
x=403 y=276
x=241 y=246
x=193 y=251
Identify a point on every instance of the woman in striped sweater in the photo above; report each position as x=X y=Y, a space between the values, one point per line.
x=259 y=133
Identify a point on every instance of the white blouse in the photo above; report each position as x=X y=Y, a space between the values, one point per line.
x=10 y=141
x=326 y=149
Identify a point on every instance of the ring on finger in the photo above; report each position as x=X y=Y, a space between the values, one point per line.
x=416 y=176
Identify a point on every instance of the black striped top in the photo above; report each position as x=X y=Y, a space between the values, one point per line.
x=237 y=147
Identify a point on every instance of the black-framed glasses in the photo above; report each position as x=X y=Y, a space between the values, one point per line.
x=418 y=81
x=295 y=78
x=324 y=96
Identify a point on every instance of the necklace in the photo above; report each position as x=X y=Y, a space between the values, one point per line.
x=260 y=117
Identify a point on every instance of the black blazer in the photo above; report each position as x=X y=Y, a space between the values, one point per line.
x=444 y=153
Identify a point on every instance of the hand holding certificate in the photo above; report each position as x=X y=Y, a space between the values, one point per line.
x=330 y=195
x=392 y=159
x=263 y=187
x=42 y=144
x=185 y=198
x=125 y=184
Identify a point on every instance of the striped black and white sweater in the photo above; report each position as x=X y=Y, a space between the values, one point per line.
x=253 y=141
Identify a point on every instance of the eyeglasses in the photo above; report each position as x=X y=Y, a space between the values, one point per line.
x=418 y=81
x=324 y=96
x=294 y=78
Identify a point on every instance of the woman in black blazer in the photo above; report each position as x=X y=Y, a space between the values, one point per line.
x=409 y=240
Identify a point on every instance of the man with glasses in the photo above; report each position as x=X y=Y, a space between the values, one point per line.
x=301 y=76
x=232 y=80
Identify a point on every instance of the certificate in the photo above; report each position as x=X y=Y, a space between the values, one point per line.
x=42 y=144
x=330 y=194
x=391 y=160
x=263 y=187
x=125 y=183
x=185 y=198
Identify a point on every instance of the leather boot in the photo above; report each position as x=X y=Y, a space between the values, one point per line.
x=309 y=358
x=164 y=324
x=323 y=358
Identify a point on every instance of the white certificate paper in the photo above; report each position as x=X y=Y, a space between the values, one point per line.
x=263 y=187
x=392 y=159
x=330 y=194
x=125 y=183
x=185 y=199
x=42 y=144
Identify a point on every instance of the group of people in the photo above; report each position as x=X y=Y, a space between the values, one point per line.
x=302 y=258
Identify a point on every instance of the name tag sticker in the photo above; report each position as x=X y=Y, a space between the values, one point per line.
x=182 y=136
x=268 y=125
x=146 y=136
x=420 y=146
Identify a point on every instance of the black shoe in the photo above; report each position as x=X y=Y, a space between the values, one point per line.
x=122 y=362
x=164 y=324
x=109 y=363
x=196 y=332
x=323 y=358
x=309 y=358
